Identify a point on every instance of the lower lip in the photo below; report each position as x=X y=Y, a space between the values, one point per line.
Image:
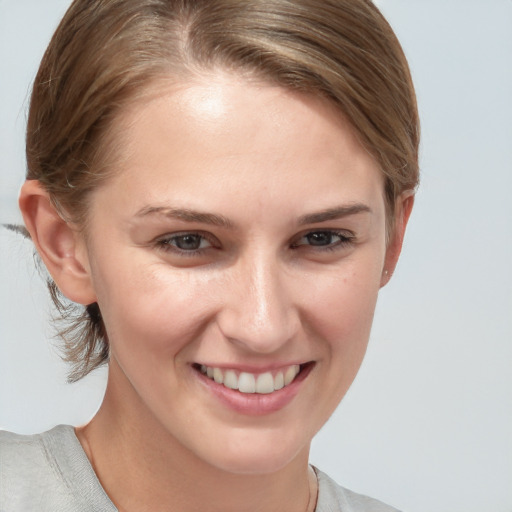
x=255 y=404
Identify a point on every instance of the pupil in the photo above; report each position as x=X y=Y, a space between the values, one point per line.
x=188 y=242
x=320 y=238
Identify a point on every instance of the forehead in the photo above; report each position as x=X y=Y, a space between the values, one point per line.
x=252 y=138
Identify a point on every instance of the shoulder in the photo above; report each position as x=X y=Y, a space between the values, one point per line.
x=29 y=455
x=20 y=455
x=28 y=470
x=47 y=472
x=334 y=498
x=10 y=443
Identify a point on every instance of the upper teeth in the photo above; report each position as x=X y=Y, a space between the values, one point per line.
x=246 y=382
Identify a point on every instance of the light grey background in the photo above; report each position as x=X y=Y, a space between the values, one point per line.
x=427 y=426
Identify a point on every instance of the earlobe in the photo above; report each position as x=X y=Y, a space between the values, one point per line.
x=403 y=209
x=57 y=243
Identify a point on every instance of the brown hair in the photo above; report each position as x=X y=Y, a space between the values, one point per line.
x=105 y=53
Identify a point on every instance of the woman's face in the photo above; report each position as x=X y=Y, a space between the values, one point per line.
x=242 y=241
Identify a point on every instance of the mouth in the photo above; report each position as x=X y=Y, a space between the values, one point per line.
x=255 y=383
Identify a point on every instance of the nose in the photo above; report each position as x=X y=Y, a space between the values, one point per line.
x=259 y=313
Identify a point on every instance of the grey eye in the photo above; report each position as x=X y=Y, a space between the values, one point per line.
x=319 y=238
x=188 y=242
x=327 y=239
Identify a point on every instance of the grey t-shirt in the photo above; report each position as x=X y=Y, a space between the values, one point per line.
x=50 y=472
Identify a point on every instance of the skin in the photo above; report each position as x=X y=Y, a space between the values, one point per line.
x=257 y=294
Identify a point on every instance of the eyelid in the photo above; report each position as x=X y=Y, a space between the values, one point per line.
x=346 y=237
x=162 y=242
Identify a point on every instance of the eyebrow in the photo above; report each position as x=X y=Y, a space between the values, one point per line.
x=186 y=215
x=333 y=213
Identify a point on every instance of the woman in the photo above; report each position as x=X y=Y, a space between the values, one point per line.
x=221 y=188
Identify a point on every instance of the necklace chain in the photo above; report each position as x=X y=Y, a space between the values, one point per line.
x=313 y=488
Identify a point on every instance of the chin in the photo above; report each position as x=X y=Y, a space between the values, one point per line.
x=255 y=459
x=253 y=466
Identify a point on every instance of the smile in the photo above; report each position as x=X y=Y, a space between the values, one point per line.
x=245 y=382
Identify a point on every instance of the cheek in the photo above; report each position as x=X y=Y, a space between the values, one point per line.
x=342 y=320
x=341 y=305
x=155 y=309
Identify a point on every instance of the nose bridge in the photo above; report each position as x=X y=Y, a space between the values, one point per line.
x=265 y=293
x=261 y=313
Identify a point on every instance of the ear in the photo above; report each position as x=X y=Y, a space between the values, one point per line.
x=60 y=246
x=403 y=209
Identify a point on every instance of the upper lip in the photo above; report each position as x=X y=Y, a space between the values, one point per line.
x=256 y=369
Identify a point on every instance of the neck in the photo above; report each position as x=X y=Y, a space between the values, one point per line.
x=143 y=467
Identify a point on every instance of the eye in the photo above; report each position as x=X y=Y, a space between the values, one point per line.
x=325 y=239
x=185 y=243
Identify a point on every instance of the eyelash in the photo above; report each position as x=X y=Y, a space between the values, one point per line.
x=166 y=243
x=345 y=239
